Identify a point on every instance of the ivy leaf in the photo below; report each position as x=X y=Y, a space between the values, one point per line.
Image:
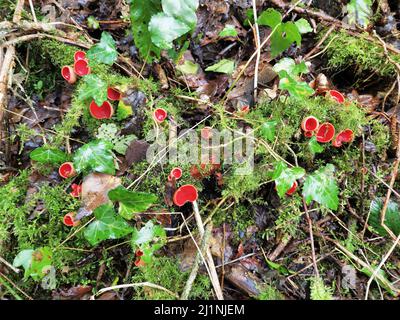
x=314 y=146
x=188 y=67
x=285 y=33
x=93 y=88
x=108 y=225
x=303 y=26
x=95 y=156
x=321 y=187
x=228 y=31
x=392 y=217
x=24 y=259
x=141 y=13
x=223 y=66
x=133 y=202
x=284 y=177
x=35 y=262
x=149 y=239
x=48 y=155
x=268 y=130
x=164 y=29
x=104 y=51
x=359 y=12
x=182 y=10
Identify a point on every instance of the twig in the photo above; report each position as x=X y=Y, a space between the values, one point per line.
x=15 y=286
x=32 y=10
x=310 y=229
x=257 y=41
x=9 y=265
x=278 y=250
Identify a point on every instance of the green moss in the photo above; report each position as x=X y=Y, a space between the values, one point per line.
x=166 y=273
x=364 y=55
x=269 y=292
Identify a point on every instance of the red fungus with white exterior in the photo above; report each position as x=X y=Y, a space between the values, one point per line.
x=81 y=67
x=66 y=170
x=325 y=132
x=105 y=111
x=176 y=173
x=292 y=190
x=76 y=190
x=344 y=136
x=336 y=95
x=69 y=220
x=310 y=124
x=186 y=193
x=68 y=74
x=160 y=115
x=79 y=55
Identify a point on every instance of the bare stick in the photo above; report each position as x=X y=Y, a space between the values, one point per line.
x=9 y=265
x=257 y=41
x=311 y=238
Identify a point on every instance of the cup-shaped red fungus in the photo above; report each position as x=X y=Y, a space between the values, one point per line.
x=81 y=67
x=292 y=189
x=344 y=136
x=325 y=132
x=76 y=190
x=67 y=170
x=79 y=55
x=68 y=74
x=69 y=220
x=105 y=111
x=308 y=134
x=113 y=94
x=176 y=173
x=186 y=193
x=336 y=95
x=138 y=253
x=139 y=263
x=160 y=115
x=310 y=124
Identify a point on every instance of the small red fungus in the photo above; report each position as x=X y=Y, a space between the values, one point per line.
x=186 y=193
x=325 y=132
x=113 y=94
x=81 y=67
x=68 y=74
x=79 y=55
x=310 y=124
x=160 y=115
x=292 y=189
x=67 y=170
x=139 y=263
x=139 y=253
x=69 y=220
x=344 y=136
x=76 y=190
x=105 y=111
x=308 y=134
x=336 y=95
x=176 y=173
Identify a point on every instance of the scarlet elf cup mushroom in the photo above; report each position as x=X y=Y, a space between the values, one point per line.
x=160 y=115
x=81 y=67
x=113 y=94
x=67 y=170
x=325 y=132
x=68 y=74
x=105 y=111
x=79 y=55
x=344 y=136
x=176 y=173
x=69 y=220
x=336 y=95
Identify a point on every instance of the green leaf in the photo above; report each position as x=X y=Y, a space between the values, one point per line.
x=188 y=67
x=95 y=156
x=108 y=225
x=34 y=261
x=93 y=23
x=133 y=201
x=141 y=13
x=285 y=177
x=104 y=51
x=48 y=155
x=122 y=143
x=149 y=239
x=223 y=66
x=303 y=26
x=123 y=111
x=24 y=259
x=182 y=10
x=93 y=88
x=270 y=17
x=228 y=31
x=297 y=89
x=392 y=217
x=314 y=146
x=165 y=29
x=359 y=12
x=321 y=187
x=268 y=130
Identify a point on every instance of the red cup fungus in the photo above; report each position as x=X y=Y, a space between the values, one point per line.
x=292 y=189
x=67 y=170
x=68 y=74
x=308 y=134
x=69 y=220
x=325 y=132
x=105 y=111
x=310 y=124
x=336 y=95
x=176 y=173
x=81 y=67
x=76 y=190
x=139 y=263
x=186 y=193
x=344 y=136
x=160 y=115
x=79 y=55
x=113 y=94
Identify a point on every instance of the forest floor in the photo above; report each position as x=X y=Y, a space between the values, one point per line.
x=115 y=183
